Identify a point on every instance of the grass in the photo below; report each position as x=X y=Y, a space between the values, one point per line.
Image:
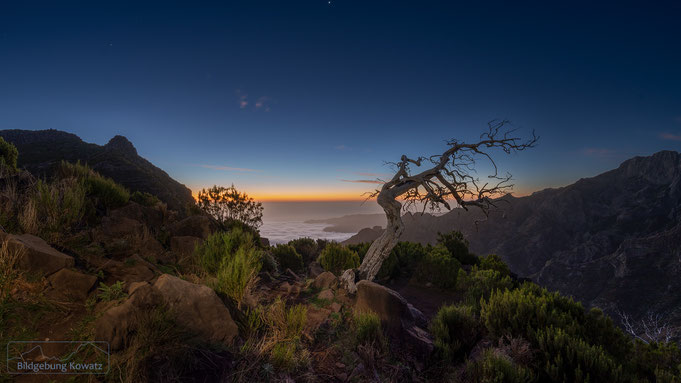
x=111 y=292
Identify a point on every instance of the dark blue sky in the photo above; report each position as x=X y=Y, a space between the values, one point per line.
x=291 y=99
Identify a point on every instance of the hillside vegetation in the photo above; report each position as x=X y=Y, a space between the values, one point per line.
x=187 y=299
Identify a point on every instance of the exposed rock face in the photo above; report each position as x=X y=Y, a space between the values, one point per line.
x=198 y=308
x=611 y=240
x=41 y=150
x=36 y=255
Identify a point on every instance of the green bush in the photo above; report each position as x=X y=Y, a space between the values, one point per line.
x=111 y=292
x=403 y=260
x=457 y=246
x=8 y=154
x=456 y=329
x=105 y=192
x=236 y=273
x=368 y=329
x=479 y=284
x=573 y=344
x=306 y=247
x=494 y=367
x=337 y=258
x=220 y=245
x=439 y=268
x=361 y=249
x=145 y=199
x=494 y=262
x=287 y=257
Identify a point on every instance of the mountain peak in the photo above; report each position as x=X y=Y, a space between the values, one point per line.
x=121 y=144
x=661 y=167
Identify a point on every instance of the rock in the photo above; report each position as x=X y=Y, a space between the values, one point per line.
x=71 y=283
x=118 y=323
x=336 y=307
x=147 y=215
x=314 y=269
x=198 y=308
x=37 y=256
x=184 y=246
x=119 y=226
x=325 y=280
x=136 y=272
x=401 y=319
x=326 y=294
x=193 y=226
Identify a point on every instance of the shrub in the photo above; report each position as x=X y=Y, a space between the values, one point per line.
x=8 y=154
x=457 y=246
x=144 y=199
x=227 y=204
x=54 y=208
x=111 y=292
x=336 y=258
x=220 y=245
x=494 y=262
x=368 y=329
x=9 y=257
x=287 y=257
x=497 y=368
x=479 y=284
x=456 y=329
x=306 y=247
x=573 y=344
x=104 y=191
x=403 y=260
x=439 y=268
x=361 y=249
x=237 y=273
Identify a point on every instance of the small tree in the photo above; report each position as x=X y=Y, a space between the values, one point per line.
x=229 y=204
x=451 y=177
x=8 y=154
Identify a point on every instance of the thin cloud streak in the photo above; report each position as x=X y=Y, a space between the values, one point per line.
x=670 y=136
x=229 y=168
x=365 y=181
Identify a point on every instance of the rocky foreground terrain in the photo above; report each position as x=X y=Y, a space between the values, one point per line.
x=612 y=241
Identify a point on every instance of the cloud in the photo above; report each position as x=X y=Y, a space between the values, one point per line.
x=365 y=181
x=261 y=103
x=228 y=168
x=370 y=174
x=670 y=136
x=341 y=147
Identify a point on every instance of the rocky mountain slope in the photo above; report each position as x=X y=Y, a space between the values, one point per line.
x=612 y=241
x=40 y=150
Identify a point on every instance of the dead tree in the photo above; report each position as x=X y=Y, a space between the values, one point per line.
x=450 y=177
x=653 y=327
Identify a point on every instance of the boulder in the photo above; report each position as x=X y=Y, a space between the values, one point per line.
x=135 y=270
x=395 y=312
x=401 y=319
x=326 y=294
x=118 y=323
x=71 y=283
x=118 y=226
x=147 y=215
x=325 y=280
x=198 y=308
x=314 y=269
x=184 y=245
x=193 y=226
x=36 y=255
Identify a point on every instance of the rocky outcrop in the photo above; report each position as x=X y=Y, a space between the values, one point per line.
x=195 y=307
x=325 y=280
x=41 y=150
x=198 y=308
x=35 y=255
x=193 y=226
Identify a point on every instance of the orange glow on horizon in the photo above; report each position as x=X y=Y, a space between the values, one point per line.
x=301 y=197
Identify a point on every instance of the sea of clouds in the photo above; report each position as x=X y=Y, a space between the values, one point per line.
x=284 y=231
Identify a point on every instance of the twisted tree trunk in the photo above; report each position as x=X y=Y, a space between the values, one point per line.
x=380 y=249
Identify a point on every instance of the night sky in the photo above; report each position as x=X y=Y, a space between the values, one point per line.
x=295 y=99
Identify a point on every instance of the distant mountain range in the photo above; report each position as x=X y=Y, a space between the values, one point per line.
x=41 y=150
x=351 y=223
x=612 y=241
